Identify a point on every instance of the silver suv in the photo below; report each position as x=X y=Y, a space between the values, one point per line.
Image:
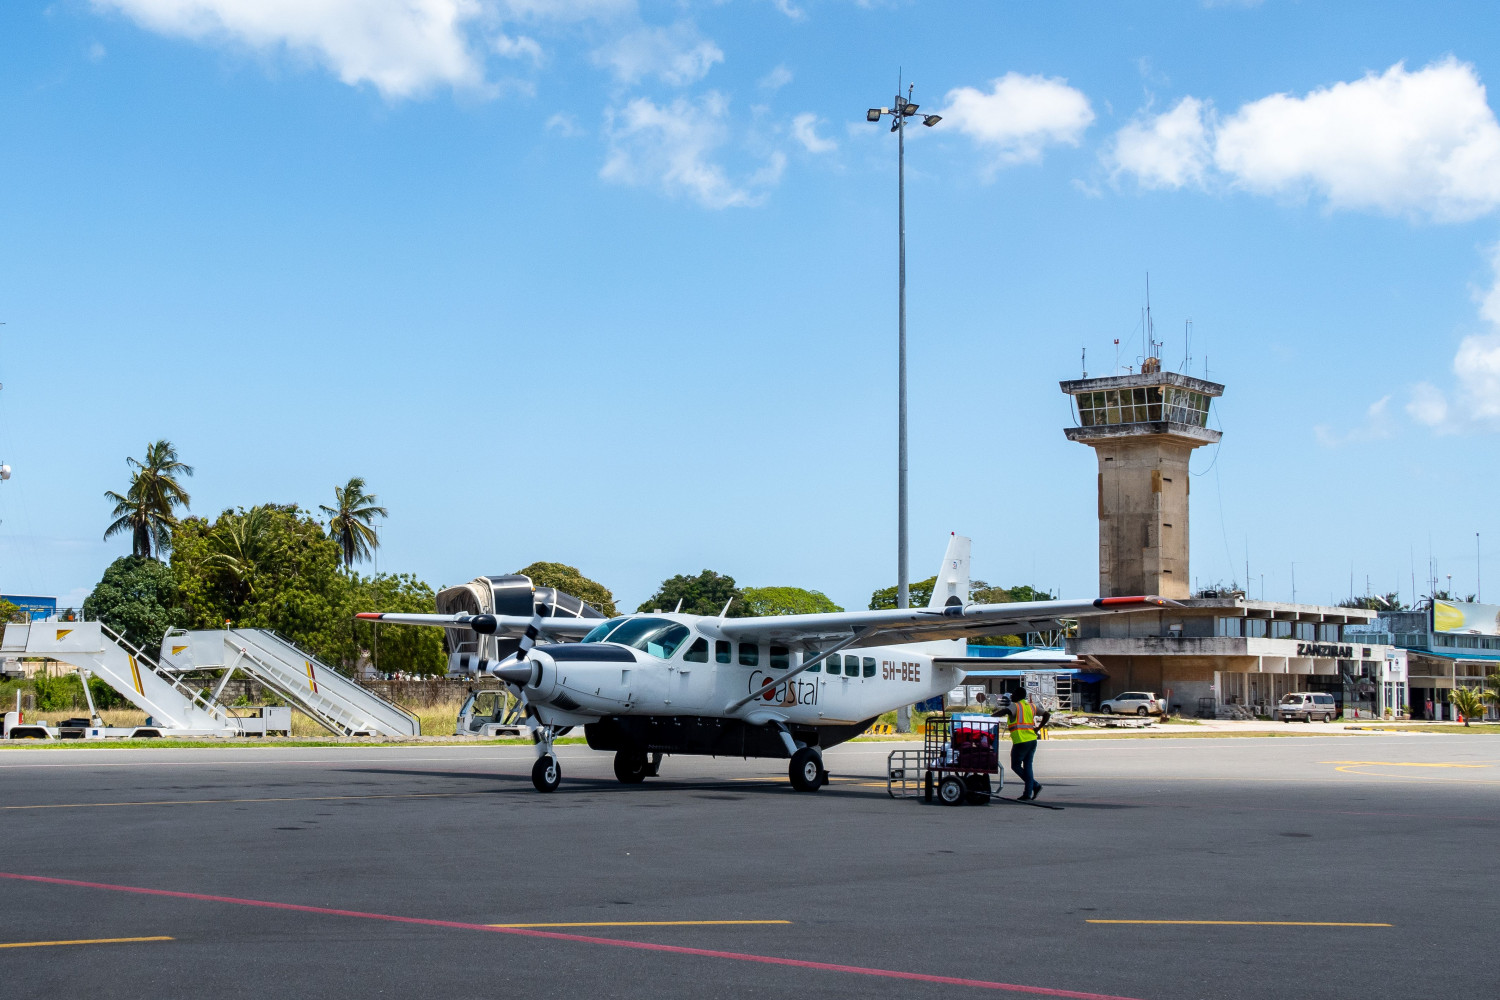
x=1306 y=706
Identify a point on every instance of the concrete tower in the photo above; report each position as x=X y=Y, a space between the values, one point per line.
x=1144 y=428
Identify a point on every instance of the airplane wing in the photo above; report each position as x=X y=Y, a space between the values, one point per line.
x=563 y=629
x=888 y=627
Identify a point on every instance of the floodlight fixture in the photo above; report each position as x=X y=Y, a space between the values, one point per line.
x=873 y=115
x=931 y=120
x=908 y=109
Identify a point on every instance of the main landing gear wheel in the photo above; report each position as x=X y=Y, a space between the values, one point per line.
x=807 y=770
x=546 y=774
x=952 y=791
x=632 y=767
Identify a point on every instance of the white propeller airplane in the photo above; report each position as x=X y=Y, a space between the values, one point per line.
x=784 y=686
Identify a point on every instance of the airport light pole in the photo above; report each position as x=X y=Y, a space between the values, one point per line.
x=902 y=110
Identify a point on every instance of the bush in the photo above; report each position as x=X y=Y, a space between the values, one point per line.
x=56 y=694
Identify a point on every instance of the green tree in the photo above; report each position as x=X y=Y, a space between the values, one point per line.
x=760 y=601
x=918 y=593
x=138 y=598
x=704 y=594
x=351 y=521
x=148 y=508
x=269 y=567
x=1375 y=602
x=412 y=649
x=570 y=581
x=1468 y=702
x=1492 y=689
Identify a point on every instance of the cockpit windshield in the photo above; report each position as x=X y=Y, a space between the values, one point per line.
x=600 y=631
x=656 y=636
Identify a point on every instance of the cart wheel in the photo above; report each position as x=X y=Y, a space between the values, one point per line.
x=978 y=789
x=927 y=788
x=951 y=791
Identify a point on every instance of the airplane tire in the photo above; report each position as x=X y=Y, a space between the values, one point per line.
x=546 y=773
x=631 y=766
x=807 y=770
x=952 y=791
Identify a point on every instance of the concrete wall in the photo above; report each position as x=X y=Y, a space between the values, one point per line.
x=1143 y=515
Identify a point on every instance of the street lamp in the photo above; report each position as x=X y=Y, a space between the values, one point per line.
x=903 y=110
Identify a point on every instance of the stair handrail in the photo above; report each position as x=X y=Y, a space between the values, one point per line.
x=386 y=701
x=213 y=708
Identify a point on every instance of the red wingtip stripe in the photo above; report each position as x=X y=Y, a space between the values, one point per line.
x=375 y=615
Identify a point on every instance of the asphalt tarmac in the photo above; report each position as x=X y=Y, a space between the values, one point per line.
x=1328 y=866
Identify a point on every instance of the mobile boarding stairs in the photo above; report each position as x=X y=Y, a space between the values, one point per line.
x=178 y=707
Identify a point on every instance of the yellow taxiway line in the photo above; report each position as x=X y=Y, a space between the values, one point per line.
x=1244 y=923
x=649 y=923
x=1398 y=763
x=53 y=944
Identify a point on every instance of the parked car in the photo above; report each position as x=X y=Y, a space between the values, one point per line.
x=1133 y=703
x=1307 y=706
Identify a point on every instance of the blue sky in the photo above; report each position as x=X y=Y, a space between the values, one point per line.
x=613 y=283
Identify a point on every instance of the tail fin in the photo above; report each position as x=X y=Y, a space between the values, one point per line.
x=952 y=587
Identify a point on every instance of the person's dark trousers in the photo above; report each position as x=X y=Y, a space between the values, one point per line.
x=1021 y=756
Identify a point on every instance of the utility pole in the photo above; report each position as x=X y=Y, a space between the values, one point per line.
x=902 y=110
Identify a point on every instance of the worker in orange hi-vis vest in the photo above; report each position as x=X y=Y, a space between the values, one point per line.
x=1023 y=725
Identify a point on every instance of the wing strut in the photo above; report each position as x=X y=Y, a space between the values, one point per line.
x=806 y=665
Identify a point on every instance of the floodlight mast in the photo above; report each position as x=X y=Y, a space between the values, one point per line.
x=902 y=110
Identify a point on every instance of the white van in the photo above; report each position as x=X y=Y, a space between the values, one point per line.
x=1307 y=706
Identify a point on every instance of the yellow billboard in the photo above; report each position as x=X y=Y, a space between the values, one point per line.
x=1470 y=619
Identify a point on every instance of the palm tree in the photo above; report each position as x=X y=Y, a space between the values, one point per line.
x=1468 y=702
x=148 y=509
x=349 y=521
x=241 y=548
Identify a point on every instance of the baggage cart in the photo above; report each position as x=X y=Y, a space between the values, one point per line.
x=959 y=761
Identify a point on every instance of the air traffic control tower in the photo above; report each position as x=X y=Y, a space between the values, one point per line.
x=1144 y=428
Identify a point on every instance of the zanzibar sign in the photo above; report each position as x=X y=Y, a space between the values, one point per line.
x=1324 y=649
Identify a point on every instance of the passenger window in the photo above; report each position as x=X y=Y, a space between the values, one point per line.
x=851 y=666
x=815 y=668
x=781 y=658
x=869 y=666
x=697 y=652
x=722 y=651
x=749 y=654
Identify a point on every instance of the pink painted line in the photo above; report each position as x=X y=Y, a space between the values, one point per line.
x=735 y=956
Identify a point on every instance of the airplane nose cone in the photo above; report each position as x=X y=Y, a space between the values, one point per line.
x=519 y=674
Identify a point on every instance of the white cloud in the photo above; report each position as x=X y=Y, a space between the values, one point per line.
x=402 y=47
x=672 y=147
x=1019 y=116
x=96 y=52
x=1377 y=424
x=1428 y=405
x=789 y=9
x=517 y=47
x=677 y=55
x=1422 y=144
x=1170 y=150
x=564 y=124
x=1474 y=402
x=805 y=131
x=776 y=79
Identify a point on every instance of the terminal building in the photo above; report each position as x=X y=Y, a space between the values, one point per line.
x=1219 y=654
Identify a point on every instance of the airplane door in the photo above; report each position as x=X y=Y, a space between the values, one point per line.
x=692 y=679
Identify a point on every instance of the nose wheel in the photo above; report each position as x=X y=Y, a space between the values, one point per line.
x=546 y=773
x=807 y=770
